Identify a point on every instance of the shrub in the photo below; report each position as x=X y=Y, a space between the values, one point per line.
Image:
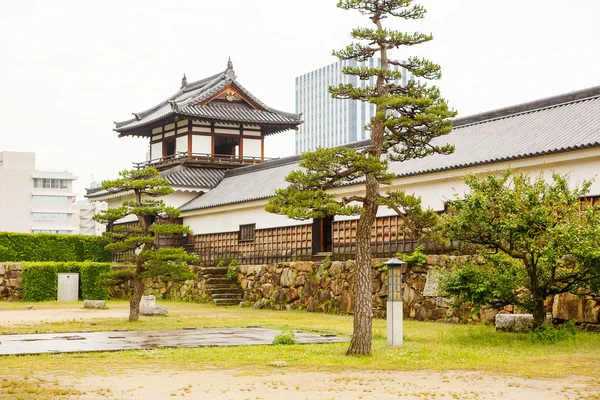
x=91 y=289
x=548 y=334
x=285 y=338
x=39 y=280
x=50 y=247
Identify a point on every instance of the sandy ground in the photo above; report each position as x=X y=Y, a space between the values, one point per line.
x=291 y=385
x=40 y=315
x=147 y=383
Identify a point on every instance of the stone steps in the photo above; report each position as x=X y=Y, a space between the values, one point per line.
x=222 y=291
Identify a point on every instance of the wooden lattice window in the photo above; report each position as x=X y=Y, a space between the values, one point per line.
x=246 y=233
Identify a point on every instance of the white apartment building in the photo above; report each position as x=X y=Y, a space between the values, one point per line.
x=330 y=122
x=33 y=201
x=86 y=212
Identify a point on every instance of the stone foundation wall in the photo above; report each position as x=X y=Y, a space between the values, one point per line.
x=328 y=287
x=10 y=281
x=190 y=290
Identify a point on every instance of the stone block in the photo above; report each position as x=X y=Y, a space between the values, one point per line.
x=591 y=311
x=253 y=269
x=287 y=277
x=488 y=314
x=567 y=307
x=346 y=303
x=304 y=266
x=300 y=280
x=94 y=304
x=336 y=269
x=514 y=322
x=158 y=310
x=432 y=284
x=2 y=269
x=292 y=295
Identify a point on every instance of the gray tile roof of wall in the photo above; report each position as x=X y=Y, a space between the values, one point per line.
x=558 y=124
x=180 y=177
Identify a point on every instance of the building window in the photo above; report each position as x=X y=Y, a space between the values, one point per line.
x=246 y=233
x=48 y=183
x=50 y=201
x=49 y=218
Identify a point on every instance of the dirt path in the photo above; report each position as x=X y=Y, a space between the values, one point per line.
x=41 y=315
x=293 y=385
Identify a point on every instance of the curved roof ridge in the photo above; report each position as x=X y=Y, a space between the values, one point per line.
x=529 y=107
x=186 y=89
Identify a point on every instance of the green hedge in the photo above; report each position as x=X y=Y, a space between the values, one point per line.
x=50 y=247
x=40 y=280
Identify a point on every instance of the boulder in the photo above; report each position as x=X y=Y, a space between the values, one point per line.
x=287 y=277
x=568 y=307
x=488 y=314
x=346 y=303
x=514 y=322
x=304 y=266
x=94 y=304
x=336 y=268
x=591 y=311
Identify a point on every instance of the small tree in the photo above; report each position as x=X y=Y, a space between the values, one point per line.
x=170 y=264
x=407 y=119
x=537 y=238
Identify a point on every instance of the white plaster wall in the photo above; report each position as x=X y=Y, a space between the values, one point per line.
x=156 y=151
x=181 y=143
x=434 y=189
x=252 y=148
x=201 y=144
x=229 y=218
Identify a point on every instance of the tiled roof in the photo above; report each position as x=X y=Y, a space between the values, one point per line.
x=554 y=125
x=187 y=102
x=180 y=177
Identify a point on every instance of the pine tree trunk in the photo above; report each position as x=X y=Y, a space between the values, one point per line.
x=363 y=300
x=136 y=297
x=137 y=292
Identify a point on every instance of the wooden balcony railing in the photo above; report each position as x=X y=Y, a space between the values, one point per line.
x=184 y=157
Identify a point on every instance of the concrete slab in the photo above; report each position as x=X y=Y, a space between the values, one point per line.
x=140 y=340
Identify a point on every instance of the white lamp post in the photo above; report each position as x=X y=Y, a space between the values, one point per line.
x=394 y=317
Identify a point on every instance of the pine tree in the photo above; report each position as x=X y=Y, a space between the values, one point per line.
x=169 y=264
x=407 y=119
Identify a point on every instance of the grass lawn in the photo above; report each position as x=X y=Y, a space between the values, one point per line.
x=427 y=345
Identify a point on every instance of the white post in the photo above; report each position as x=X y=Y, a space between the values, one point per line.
x=395 y=324
x=394 y=317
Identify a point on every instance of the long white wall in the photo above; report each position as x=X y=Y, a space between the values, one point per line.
x=434 y=189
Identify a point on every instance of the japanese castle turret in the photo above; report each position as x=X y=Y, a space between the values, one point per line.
x=211 y=123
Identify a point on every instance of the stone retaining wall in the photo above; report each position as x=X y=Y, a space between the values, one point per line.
x=328 y=287
x=10 y=281
x=190 y=290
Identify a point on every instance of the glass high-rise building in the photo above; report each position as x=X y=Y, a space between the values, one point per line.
x=330 y=122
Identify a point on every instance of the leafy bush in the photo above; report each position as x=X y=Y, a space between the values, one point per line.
x=285 y=338
x=50 y=247
x=91 y=289
x=40 y=280
x=548 y=334
x=416 y=258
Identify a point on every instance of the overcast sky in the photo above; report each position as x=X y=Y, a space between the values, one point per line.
x=71 y=68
